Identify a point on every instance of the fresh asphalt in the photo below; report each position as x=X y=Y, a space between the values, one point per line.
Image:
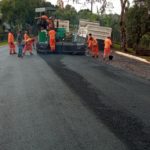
x=65 y=102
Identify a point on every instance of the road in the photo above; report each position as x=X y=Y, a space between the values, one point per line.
x=60 y=102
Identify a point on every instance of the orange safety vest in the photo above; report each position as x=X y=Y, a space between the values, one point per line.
x=95 y=49
x=94 y=42
x=89 y=42
x=52 y=34
x=10 y=38
x=107 y=43
x=52 y=41
x=44 y=17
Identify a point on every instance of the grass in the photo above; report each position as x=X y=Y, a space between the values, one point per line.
x=3 y=43
x=146 y=57
x=117 y=47
x=129 y=51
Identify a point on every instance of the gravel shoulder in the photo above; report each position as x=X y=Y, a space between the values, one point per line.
x=131 y=65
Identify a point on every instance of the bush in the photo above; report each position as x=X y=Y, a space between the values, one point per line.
x=3 y=37
x=145 y=41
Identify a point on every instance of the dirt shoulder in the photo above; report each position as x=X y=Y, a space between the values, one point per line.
x=131 y=64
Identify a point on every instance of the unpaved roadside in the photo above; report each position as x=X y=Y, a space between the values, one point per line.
x=131 y=65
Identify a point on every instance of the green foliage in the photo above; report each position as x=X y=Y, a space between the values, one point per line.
x=3 y=43
x=68 y=13
x=86 y=14
x=116 y=46
x=138 y=25
x=145 y=41
x=112 y=20
x=19 y=12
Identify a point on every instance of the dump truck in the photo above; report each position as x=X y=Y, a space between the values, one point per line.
x=97 y=31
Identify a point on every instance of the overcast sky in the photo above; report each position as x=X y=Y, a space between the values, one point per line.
x=116 y=5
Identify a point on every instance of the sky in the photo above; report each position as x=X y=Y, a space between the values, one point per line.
x=116 y=5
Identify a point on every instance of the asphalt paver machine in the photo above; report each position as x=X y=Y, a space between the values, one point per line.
x=46 y=20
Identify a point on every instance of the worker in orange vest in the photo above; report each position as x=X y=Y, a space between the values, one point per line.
x=52 y=39
x=12 y=47
x=95 y=49
x=28 y=43
x=107 y=47
x=26 y=36
x=47 y=22
x=44 y=17
x=89 y=43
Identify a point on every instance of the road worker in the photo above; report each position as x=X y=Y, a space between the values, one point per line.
x=12 y=47
x=46 y=22
x=95 y=49
x=26 y=36
x=44 y=17
x=52 y=39
x=28 y=43
x=89 y=43
x=28 y=46
x=107 y=47
x=19 y=43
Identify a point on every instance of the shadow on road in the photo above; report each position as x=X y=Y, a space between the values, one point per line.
x=123 y=124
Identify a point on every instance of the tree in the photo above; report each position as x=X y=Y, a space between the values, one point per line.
x=86 y=14
x=19 y=12
x=68 y=13
x=138 y=25
x=102 y=2
x=124 y=8
x=112 y=20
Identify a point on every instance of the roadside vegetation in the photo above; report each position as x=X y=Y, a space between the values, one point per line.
x=136 y=20
x=3 y=43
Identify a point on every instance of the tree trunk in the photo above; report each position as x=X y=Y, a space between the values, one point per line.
x=92 y=6
x=123 y=36
x=122 y=26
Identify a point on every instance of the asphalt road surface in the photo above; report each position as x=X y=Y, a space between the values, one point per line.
x=60 y=102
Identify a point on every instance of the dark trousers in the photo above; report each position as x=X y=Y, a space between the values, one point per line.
x=20 y=47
